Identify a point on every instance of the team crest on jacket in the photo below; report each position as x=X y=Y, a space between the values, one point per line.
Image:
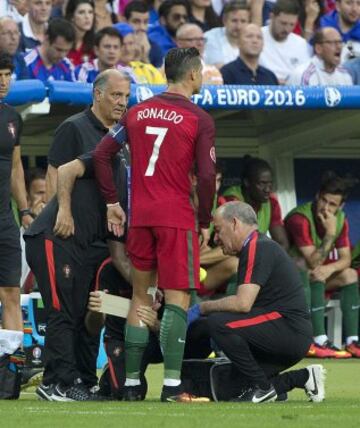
x=66 y=271
x=12 y=129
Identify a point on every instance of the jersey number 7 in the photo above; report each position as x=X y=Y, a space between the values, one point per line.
x=160 y=136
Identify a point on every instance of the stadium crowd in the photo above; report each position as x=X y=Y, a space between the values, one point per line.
x=112 y=44
x=289 y=42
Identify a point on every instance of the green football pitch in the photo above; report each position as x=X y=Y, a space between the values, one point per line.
x=340 y=409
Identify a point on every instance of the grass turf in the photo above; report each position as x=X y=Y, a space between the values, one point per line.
x=341 y=408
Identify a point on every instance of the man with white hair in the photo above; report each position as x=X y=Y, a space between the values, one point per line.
x=265 y=328
x=9 y=44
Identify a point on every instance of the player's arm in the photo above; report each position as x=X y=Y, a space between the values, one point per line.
x=51 y=182
x=18 y=189
x=299 y=228
x=242 y=302
x=104 y=153
x=323 y=272
x=205 y=159
x=67 y=174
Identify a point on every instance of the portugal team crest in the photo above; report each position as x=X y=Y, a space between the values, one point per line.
x=12 y=129
x=66 y=271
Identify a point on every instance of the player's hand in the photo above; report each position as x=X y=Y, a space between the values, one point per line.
x=149 y=317
x=329 y=222
x=116 y=219
x=193 y=314
x=312 y=10
x=64 y=225
x=26 y=220
x=204 y=238
x=37 y=206
x=94 y=302
x=159 y=297
x=142 y=42
x=322 y=273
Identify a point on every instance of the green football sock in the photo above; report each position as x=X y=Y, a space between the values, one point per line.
x=172 y=340
x=349 y=300
x=136 y=340
x=318 y=304
x=306 y=284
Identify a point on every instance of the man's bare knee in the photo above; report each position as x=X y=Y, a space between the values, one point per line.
x=349 y=276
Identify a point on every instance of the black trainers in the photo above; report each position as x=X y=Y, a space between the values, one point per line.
x=133 y=393
x=175 y=394
x=31 y=376
x=76 y=392
x=45 y=392
x=257 y=395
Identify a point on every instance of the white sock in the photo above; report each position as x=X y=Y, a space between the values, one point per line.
x=320 y=340
x=172 y=382
x=132 y=382
x=351 y=339
x=10 y=341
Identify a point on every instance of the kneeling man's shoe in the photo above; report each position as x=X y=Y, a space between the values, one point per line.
x=257 y=395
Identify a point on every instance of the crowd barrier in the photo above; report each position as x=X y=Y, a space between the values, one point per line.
x=229 y=97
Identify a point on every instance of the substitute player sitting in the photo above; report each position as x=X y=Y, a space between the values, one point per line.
x=167 y=135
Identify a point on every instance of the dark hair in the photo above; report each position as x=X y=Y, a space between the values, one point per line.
x=88 y=39
x=33 y=174
x=290 y=7
x=6 y=62
x=135 y=6
x=179 y=61
x=106 y=31
x=235 y=5
x=336 y=185
x=253 y=166
x=60 y=27
x=167 y=5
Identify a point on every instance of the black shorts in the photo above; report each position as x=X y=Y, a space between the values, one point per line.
x=10 y=254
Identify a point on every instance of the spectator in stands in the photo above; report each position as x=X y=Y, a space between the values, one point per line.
x=15 y=9
x=81 y=14
x=346 y=19
x=202 y=14
x=137 y=15
x=222 y=43
x=105 y=15
x=191 y=35
x=58 y=8
x=144 y=73
x=33 y=26
x=256 y=190
x=353 y=67
x=108 y=44
x=49 y=62
x=324 y=67
x=319 y=234
x=9 y=43
x=283 y=51
x=172 y=14
x=245 y=70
